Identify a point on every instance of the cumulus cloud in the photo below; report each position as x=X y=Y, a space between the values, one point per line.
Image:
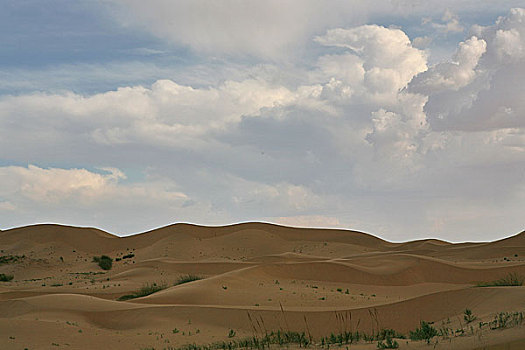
x=452 y=75
x=388 y=58
x=362 y=137
x=275 y=29
x=481 y=88
x=82 y=197
x=165 y=114
x=449 y=23
x=56 y=186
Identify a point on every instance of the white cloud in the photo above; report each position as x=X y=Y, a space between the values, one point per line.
x=422 y=42
x=366 y=134
x=267 y=29
x=7 y=206
x=56 y=186
x=307 y=221
x=452 y=75
x=481 y=88
x=276 y=29
x=449 y=23
x=388 y=58
x=165 y=114
x=282 y=196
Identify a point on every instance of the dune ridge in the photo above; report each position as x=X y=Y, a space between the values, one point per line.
x=295 y=279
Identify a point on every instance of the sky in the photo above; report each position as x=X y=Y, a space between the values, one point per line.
x=401 y=118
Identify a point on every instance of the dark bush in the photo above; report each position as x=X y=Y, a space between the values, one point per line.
x=147 y=289
x=5 y=278
x=425 y=332
x=104 y=261
x=187 y=278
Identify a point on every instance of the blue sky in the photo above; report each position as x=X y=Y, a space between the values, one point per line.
x=400 y=118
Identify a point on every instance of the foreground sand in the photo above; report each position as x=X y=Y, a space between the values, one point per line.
x=256 y=278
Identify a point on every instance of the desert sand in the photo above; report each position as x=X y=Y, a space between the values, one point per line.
x=255 y=278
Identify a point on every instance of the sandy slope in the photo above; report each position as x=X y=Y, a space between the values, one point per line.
x=256 y=278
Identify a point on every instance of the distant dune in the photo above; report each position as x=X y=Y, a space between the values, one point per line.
x=253 y=278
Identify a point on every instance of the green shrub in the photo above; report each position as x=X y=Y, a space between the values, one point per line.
x=5 y=278
x=9 y=259
x=104 y=261
x=507 y=319
x=383 y=334
x=425 y=332
x=186 y=279
x=147 y=289
x=468 y=316
x=388 y=344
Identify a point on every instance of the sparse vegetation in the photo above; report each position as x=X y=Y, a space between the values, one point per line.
x=144 y=291
x=85 y=273
x=507 y=320
x=388 y=343
x=512 y=279
x=187 y=278
x=386 y=333
x=424 y=332
x=231 y=334
x=128 y=256
x=5 y=278
x=10 y=259
x=104 y=261
x=468 y=316
x=274 y=338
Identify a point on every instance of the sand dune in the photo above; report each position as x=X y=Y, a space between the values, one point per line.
x=254 y=277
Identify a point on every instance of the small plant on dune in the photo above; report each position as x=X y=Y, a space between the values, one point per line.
x=279 y=338
x=507 y=319
x=231 y=334
x=147 y=289
x=424 y=332
x=511 y=280
x=468 y=316
x=383 y=334
x=10 y=259
x=5 y=278
x=104 y=261
x=186 y=279
x=387 y=344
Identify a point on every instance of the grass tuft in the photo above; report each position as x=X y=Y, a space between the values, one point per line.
x=147 y=289
x=511 y=280
x=186 y=279
x=425 y=332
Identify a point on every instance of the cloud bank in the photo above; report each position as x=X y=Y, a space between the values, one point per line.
x=368 y=135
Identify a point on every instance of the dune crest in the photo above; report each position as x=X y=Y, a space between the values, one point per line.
x=206 y=281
